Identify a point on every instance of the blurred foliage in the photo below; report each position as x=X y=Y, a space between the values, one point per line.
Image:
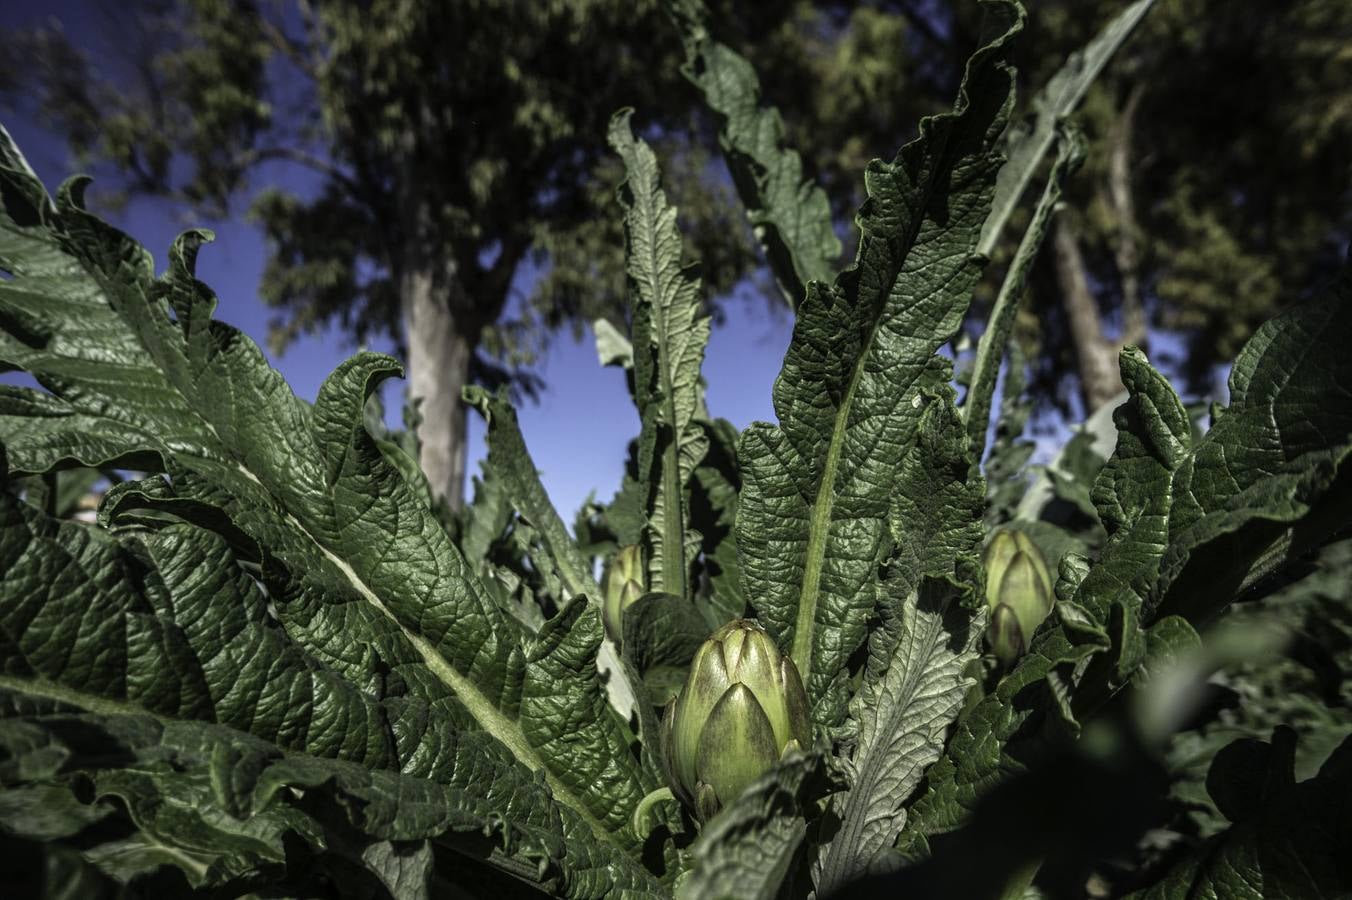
x=1308 y=688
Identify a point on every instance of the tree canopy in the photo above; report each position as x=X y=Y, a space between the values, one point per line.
x=455 y=143
x=1219 y=167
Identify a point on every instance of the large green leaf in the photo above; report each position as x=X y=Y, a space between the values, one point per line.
x=308 y=485
x=223 y=807
x=1288 y=839
x=914 y=683
x=1269 y=480
x=816 y=488
x=486 y=516
x=661 y=634
x=1134 y=494
x=670 y=332
x=509 y=460
x=160 y=638
x=790 y=214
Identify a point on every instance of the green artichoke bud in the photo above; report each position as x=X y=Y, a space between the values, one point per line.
x=741 y=708
x=624 y=585
x=1018 y=592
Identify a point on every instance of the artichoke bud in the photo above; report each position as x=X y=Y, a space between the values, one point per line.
x=1005 y=635
x=1018 y=592
x=624 y=585
x=741 y=708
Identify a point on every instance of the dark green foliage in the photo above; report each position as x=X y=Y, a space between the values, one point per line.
x=275 y=664
x=1286 y=838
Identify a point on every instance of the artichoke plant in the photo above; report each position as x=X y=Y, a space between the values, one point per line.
x=742 y=707
x=1018 y=592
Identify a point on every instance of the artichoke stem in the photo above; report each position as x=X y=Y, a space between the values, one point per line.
x=643 y=820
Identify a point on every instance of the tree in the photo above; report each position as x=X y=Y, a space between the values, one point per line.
x=1231 y=201
x=452 y=143
x=443 y=172
x=1217 y=186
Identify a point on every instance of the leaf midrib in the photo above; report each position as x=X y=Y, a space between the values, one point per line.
x=38 y=686
x=493 y=720
x=673 y=525
x=673 y=518
x=825 y=500
x=887 y=733
x=820 y=525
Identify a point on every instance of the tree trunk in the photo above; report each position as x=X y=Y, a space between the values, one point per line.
x=1126 y=252
x=439 y=353
x=1095 y=355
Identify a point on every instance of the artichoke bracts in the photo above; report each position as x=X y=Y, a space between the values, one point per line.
x=742 y=706
x=1018 y=592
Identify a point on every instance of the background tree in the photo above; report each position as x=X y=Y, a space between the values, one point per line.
x=1218 y=184
x=452 y=142
x=457 y=142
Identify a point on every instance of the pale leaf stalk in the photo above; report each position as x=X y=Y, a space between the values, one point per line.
x=991 y=348
x=1058 y=99
x=670 y=332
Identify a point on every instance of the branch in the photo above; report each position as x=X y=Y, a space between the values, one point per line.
x=1126 y=251
x=498 y=279
x=921 y=23
x=313 y=26
x=256 y=155
x=1095 y=356
x=299 y=54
